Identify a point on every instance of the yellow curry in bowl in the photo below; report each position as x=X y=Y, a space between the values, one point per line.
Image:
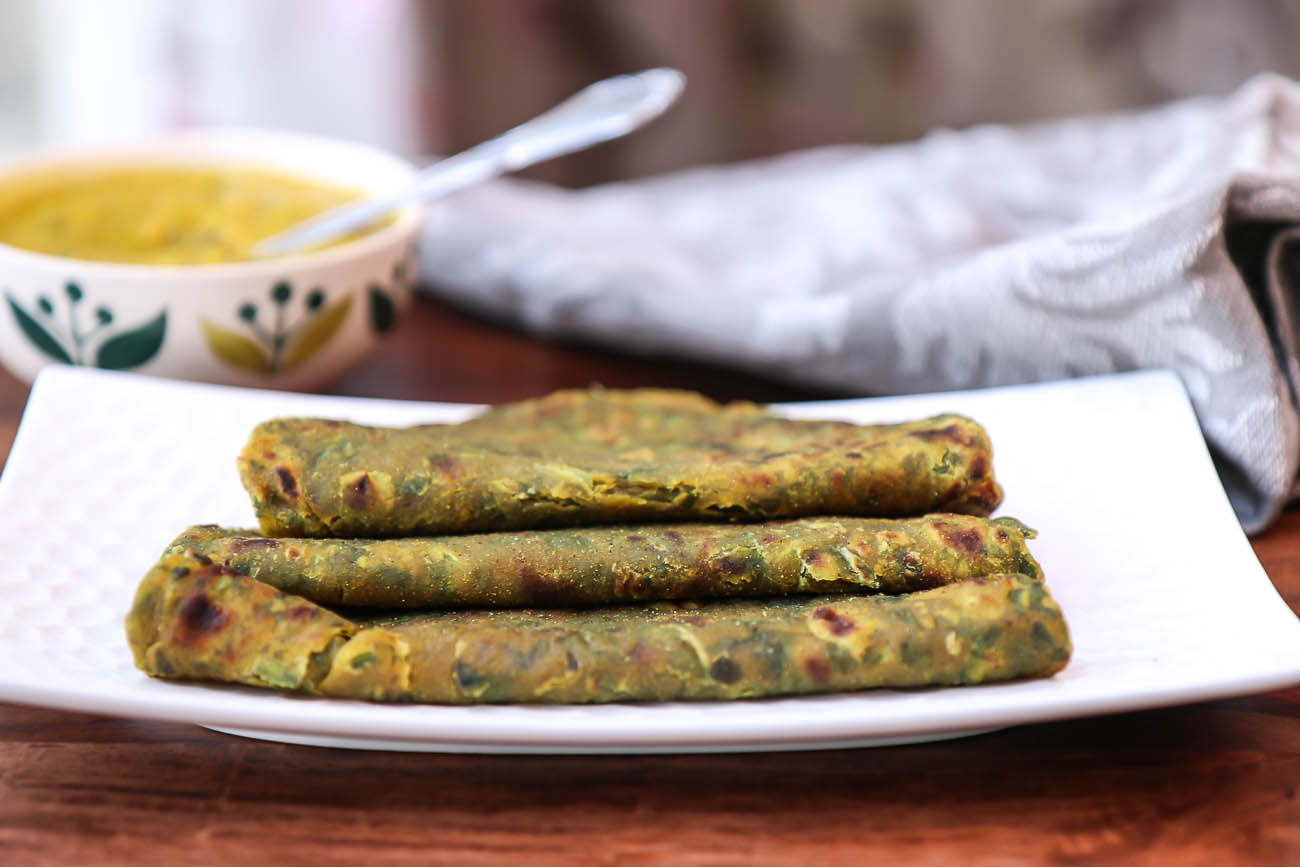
x=179 y=215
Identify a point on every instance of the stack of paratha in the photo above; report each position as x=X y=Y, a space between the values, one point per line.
x=597 y=546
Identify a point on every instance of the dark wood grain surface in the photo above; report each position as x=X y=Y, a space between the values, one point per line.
x=1213 y=783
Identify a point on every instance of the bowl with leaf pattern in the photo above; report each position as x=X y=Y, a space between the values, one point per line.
x=294 y=322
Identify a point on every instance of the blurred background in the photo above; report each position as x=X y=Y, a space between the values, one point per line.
x=432 y=76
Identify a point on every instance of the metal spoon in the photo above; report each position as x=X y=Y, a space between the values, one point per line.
x=599 y=112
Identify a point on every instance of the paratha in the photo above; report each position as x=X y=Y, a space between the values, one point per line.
x=195 y=619
x=602 y=457
x=625 y=563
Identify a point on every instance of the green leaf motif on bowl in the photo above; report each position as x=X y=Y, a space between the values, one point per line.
x=68 y=343
x=234 y=349
x=383 y=312
x=272 y=343
x=132 y=348
x=36 y=333
x=316 y=332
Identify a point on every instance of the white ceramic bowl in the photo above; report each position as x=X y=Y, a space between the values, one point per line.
x=295 y=322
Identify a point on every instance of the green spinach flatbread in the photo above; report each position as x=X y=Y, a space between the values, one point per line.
x=601 y=457
x=625 y=563
x=195 y=619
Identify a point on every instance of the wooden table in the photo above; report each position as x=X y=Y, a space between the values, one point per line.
x=1212 y=783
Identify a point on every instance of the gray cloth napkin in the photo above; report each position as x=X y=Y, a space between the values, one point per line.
x=1168 y=237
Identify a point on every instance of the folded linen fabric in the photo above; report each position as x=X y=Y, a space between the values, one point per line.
x=1168 y=237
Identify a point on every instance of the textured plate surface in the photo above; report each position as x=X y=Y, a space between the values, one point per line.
x=1165 y=599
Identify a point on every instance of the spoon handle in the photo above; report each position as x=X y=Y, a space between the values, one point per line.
x=599 y=112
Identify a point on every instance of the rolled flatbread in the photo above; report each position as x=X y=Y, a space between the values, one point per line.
x=602 y=457
x=195 y=619
x=625 y=563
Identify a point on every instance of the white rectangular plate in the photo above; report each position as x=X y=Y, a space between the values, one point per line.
x=1164 y=597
